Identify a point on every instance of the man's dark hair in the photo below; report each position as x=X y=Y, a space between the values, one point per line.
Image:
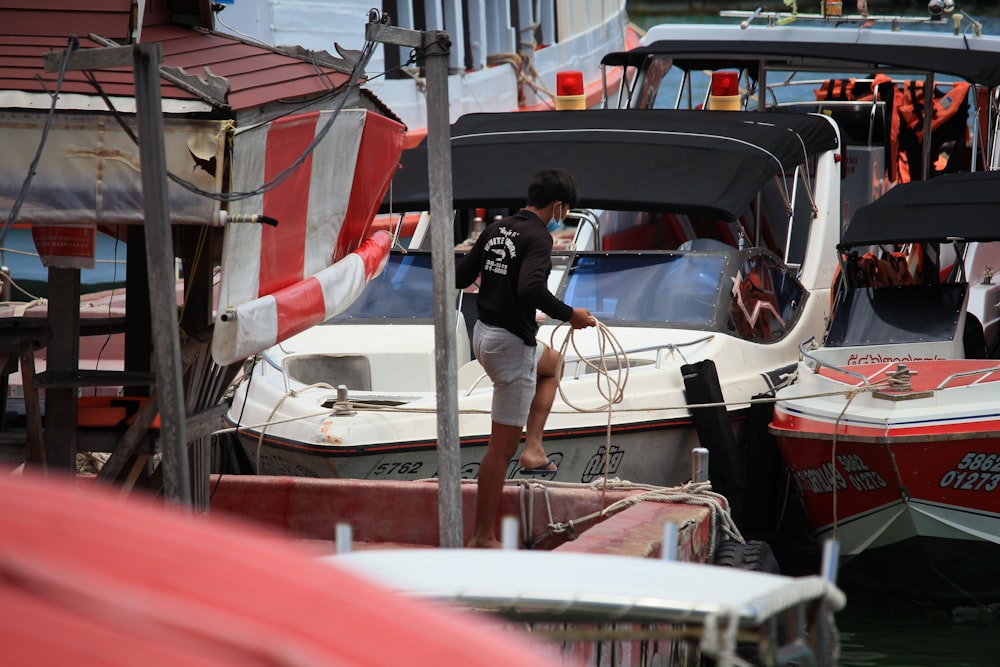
x=549 y=185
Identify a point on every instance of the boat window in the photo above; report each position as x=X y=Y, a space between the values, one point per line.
x=404 y=291
x=647 y=288
x=766 y=299
x=906 y=314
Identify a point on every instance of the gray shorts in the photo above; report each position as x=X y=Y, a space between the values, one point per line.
x=513 y=368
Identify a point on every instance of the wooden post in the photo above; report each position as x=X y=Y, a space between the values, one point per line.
x=435 y=45
x=436 y=48
x=160 y=269
x=62 y=359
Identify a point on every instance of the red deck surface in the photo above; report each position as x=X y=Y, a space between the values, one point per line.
x=386 y=513
x=924 y=374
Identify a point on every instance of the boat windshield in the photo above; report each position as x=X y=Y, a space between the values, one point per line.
x=893 y=315
x=404 y=291
x=641 y=288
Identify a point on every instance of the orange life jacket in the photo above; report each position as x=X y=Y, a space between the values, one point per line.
x=905 y=101
x=882 y=89
x=949 y=127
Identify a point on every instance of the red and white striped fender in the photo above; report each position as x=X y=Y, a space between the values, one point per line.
x=278 y=281
x=256 y=325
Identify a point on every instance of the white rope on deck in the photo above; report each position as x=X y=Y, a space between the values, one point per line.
x=691 y=493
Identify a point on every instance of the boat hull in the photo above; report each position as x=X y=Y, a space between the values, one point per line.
x=910 y=487
x=653 y=453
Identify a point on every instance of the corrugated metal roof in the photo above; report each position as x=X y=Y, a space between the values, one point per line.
x=257 y=74
x=60 y=18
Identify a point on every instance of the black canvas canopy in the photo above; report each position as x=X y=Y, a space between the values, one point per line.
x=954 y=206
x=677 y=160
x=975 y=59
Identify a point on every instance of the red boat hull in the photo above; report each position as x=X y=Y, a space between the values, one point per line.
x=916 y=511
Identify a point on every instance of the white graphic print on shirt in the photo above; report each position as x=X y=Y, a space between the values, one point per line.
x=502 y=246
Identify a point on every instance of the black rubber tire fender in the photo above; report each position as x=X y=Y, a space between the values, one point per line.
x=755 y=556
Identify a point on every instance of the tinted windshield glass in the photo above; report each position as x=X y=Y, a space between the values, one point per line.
x=403 y=291
x=909 y=314
x=675 y=288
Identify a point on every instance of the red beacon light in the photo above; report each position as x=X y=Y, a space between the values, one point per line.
x=569 y=91
x=725 y=91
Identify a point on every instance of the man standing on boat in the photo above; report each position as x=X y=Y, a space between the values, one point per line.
x=513 y=258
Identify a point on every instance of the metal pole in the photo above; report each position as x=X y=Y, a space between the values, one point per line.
x=699 y=464
x=344 y=537
x=160 y=267
x=436 y=47
x=831 y=560
x=668 y=546
x=509 y=526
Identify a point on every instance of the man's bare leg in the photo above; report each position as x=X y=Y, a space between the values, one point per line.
x=546 y=386
x=492 y=472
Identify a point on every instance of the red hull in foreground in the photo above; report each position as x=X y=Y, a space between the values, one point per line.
x=89 y=578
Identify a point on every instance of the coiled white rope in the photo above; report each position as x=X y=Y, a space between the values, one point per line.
x=610 y=384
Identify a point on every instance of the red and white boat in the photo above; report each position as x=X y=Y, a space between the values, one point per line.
x=890 y=431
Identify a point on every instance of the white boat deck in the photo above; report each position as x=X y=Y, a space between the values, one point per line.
x=590 y=586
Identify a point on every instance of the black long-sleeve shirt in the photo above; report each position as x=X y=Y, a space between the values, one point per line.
x=513 y=256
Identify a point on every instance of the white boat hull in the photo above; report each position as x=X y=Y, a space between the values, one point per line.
x=651 y=430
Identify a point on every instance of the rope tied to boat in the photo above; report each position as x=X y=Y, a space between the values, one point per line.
x=720 y=642
x=610 y=352
x=337 y=408
x=899 y=379
x=690 y=493
x=613 y=390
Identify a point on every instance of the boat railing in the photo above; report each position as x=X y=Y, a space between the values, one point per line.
x=979 y=371
x=836 y=108
x=803 y=350
x=588 y=217
x=580 y=364
x=895 y=21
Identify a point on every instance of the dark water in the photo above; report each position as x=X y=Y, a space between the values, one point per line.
x=876 y=631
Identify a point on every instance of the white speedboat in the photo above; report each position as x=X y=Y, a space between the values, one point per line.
x=890 y=432
x=713 y=229
x=911 y=95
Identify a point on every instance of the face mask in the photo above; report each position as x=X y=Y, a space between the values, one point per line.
x=553 y=223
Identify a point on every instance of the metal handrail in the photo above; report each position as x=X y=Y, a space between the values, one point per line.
x=588 y=216
x=819 y=362
x=581 y=362
x=954 y=376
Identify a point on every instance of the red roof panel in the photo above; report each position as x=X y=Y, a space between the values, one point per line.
x=59 y=18
x=257 y=74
